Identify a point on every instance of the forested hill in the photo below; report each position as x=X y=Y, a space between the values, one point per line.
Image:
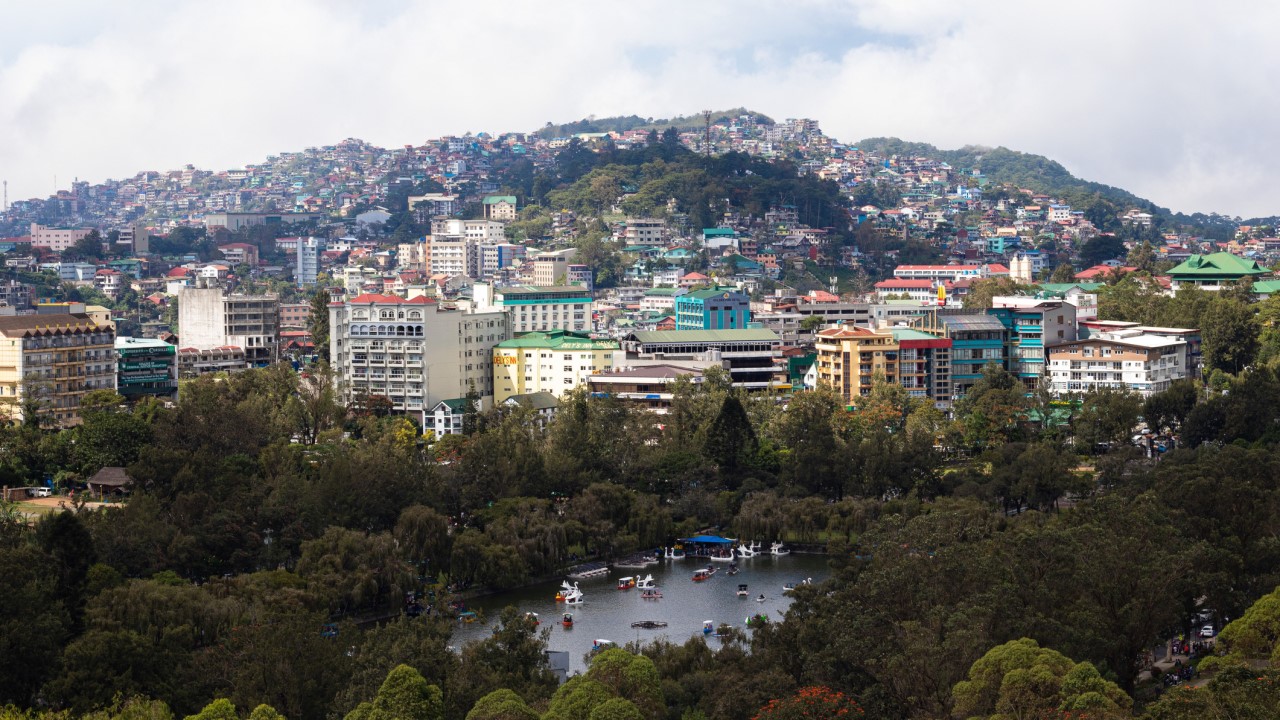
x=1040 y=174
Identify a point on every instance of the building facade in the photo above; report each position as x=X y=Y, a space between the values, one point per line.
x=849 y=359
x=412 y=352
x=309 y=251
x=753 y=357
x=713 y=309
x=1034 y=326
x=58 y=357
x=538 y=309
x=1144 y=364
x=56 y=239
x=208 y=319
x=554 y=362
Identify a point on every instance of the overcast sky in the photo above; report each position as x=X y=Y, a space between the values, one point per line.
x=1173 y=100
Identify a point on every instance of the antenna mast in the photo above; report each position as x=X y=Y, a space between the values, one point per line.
x=706 y=139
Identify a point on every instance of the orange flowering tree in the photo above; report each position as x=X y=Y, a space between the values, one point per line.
x=813 y=702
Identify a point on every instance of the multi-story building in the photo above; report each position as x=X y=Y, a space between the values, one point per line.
x=412 y=352
x=54 y=358
x=480 y=231
x=295 y=315
x=135 y=239
x=753 y=357
x=1127 y=360
x=500 y=207
x=646 y=386
x=426 y=207
x=552 y=268
x=16 y=295
x=554 y=362
x=924 y=365
x=146 y=367
x=496 y=256
x=193 y=362
x=977 y=340
x=208 y=319
x=309 y=251
x=454 y=256
x=537 y=309
x=56 y=239
x=413 y=256
x=714 y=308
x=648 y=232
x=938 y=273
x=850 y=358
x=1034 y=326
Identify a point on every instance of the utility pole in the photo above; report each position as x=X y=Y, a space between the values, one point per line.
x=6 y=196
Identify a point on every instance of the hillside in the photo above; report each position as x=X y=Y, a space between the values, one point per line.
x=623 y=123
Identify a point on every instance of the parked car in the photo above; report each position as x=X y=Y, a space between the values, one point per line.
x=1206 y=631
x=43 y=492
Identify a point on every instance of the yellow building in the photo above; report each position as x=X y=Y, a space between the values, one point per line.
x=553 y=361
x=60 y=356
x=849 y=357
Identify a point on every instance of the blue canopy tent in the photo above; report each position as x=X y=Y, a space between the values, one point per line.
x=709 y=540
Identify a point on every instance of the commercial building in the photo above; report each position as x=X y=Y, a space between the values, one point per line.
x=1125 y=360
x=309 y=251
x=977 y=340
x=57 y=356
x=645 y=386
x=553 y=361
x=56 y=239
x=295 y=315
x=537 y=309
x=753 y=357
x=208 y=319
x=146 y=367
x=412 y=352
x=1034 y=326
x=715 y=308
x=233 y=221
x=850 y=358
x=454 y=256
x=193 y=362
x=924 y=365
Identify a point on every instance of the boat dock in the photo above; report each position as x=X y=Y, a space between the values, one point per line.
x=588 y=570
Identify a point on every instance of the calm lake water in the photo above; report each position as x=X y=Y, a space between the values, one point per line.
x=607 y=612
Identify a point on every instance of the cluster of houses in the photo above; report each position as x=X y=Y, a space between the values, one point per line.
x=466 y=311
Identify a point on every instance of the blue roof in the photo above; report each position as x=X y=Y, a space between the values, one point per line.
x=707 y=539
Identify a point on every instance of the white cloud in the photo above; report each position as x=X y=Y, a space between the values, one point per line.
x=1168 y=100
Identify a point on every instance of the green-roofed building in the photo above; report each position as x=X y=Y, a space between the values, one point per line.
x=554 y=361
x=715 y=308
x=1061 y=289
x=1266 y=288
x=1214 y=271
x=752 y=356
x=500 y=207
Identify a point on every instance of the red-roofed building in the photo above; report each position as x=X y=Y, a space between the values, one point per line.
x=922 y=290
x=1099 y=273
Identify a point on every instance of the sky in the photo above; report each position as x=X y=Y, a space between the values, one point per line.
x=1171 y=100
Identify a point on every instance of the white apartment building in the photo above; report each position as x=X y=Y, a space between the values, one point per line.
x=649 y=232
x=475 y=230
x=537 y=308
x=938 y=273
x=454 y=256
x=309 y=251
x=412 y=352
x=1125 y=360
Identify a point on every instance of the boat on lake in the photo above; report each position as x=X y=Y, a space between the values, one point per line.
x=648 y=624
x=567 y=591
x=567 y=620
x=673 y=553
x=651 y=594
x=708 y=627
x=777 y=549
x=792 y=586
x=467 y=617
x=646 y=583
x=703 y=574
x=742 y=591
x=534 y=617
x=626 y=583
x=749 y=552
x=722 y=556
x=733 y=568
